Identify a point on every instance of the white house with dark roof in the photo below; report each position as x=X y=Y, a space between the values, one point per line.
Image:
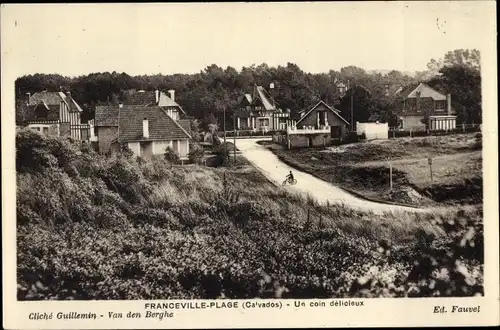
x=147 y=122
x=149 y=131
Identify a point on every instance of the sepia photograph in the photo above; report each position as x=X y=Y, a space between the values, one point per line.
x=248 y=151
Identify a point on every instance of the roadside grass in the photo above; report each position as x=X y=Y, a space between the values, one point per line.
x=364 y=168
x=91 y=227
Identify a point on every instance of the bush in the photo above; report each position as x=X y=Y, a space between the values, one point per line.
x=171 y=155
x=196 y=153
x=351 y=137
x=126 y=151
x=222 y=154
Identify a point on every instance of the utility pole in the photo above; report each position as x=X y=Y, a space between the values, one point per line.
x=224 y=125
x=390 y=173
x=351 y=103
x=429 y=160
x=234 y=136
x=352 y=110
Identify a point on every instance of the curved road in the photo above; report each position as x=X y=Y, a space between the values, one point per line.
x=275 y=170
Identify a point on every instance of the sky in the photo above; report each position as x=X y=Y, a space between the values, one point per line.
x=185 y=38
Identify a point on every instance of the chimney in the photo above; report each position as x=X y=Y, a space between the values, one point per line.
x=448 y=103
x=29 y=97
x=145 y=128
x=172 y=94
x=157 y=95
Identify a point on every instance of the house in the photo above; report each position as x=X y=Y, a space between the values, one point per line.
x=259 y=111
x=319 y=126
x=421 y=101
x=148 y=131
x=147 y=122
x=155 y=98
x=341 y=86
x=55 y=113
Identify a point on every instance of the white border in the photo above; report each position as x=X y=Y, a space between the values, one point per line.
x=377 y=312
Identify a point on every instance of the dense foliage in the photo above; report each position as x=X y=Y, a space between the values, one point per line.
x=91 y=227
x=206 y=94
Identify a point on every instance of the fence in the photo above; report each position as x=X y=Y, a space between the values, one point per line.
x=245 y=133
x=280 y=139
x=465 y=128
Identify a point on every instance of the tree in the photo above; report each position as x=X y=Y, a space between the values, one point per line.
x=464 y=57
x=464 y=85
x=362 y=104
x=470 y=58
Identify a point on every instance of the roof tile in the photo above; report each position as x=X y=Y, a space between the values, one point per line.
x=161 y=126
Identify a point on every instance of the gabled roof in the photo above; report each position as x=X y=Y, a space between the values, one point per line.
x=335 y=111
x=140 y=98
x=40 y=112
x=106 y=115
x=266 y=102
x=186 y=124
x=425 y=92
x=248 y=97
x=148 y=98
x=53 y=99
x=161 y=126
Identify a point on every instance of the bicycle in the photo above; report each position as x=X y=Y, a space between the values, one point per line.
x=290 y=181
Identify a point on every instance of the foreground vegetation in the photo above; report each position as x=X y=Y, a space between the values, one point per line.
x=364 y=168
x=90 y=227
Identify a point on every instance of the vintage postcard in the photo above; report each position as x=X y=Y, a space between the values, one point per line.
x=229 y=165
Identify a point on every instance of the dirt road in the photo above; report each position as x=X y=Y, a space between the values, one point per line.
x=275 y=170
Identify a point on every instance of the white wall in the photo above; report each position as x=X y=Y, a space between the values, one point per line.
x=159 y=147
x=135 y=147
x=53 y=129
x=373 y=130
x=184 y=148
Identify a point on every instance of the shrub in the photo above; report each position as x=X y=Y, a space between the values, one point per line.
x=171 y=155
x=126 y=151
x=196 y=153
x=351 y=138
x=222 y=154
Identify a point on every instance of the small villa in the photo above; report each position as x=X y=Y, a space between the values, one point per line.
x=321 y=125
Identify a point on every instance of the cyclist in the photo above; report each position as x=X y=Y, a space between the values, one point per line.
x=289 y=177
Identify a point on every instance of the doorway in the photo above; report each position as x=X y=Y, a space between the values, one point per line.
x=335 y=132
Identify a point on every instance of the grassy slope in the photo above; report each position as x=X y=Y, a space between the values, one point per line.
x=364 y=168
x=115 y=228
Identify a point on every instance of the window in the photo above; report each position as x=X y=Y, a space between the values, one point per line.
x=322 y=121
x=248 y=107
x=440 y=106
x=264 y=122
x=46 y=130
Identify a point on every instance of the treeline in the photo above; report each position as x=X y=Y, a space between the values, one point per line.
x=206 y=94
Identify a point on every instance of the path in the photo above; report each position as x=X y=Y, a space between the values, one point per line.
x=275 y=170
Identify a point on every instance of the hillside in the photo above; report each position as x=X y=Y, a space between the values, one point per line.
x=91 y=227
